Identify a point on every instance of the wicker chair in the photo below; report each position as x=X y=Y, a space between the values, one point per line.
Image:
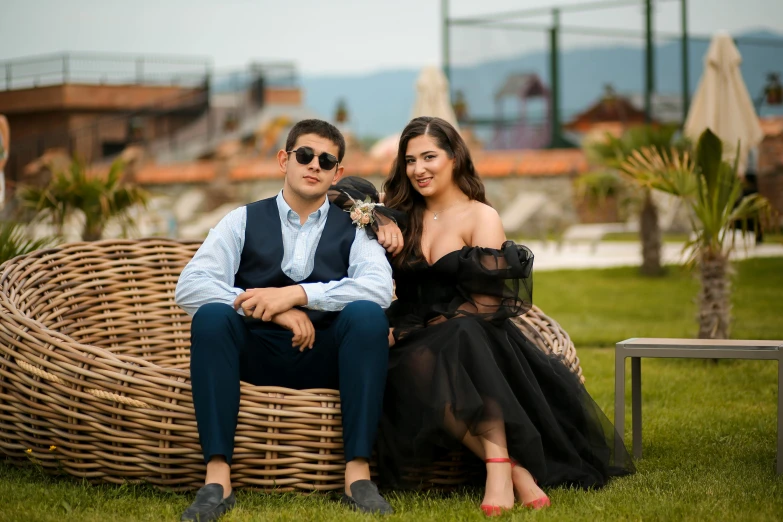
x=94 y=380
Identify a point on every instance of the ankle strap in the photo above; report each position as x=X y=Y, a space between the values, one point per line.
x=490 y=461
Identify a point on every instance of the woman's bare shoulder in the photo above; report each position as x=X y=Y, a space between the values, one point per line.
x=484 y=213
x=487 y=226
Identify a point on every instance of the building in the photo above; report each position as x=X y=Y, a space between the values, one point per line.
x=94 y=106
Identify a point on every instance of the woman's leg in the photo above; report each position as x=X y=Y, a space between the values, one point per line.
x=499 y=490
x=525 y=487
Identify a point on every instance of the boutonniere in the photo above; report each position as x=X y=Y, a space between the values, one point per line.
x=362 y=212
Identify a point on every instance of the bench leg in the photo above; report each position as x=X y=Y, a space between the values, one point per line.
x=779 y=456
x=619 y=403
x=636 y=405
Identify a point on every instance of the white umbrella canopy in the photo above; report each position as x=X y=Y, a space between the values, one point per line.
x=722 y=102
x=432 y=96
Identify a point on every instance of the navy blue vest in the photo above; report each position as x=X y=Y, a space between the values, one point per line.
x=262 y=253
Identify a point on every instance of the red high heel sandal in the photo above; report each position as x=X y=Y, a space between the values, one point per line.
x=540 y=502
x=488 y=509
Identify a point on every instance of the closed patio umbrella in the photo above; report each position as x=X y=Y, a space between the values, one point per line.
x=432 y=96
x=722 y=102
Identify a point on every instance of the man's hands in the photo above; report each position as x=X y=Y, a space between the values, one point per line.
x=298 y=322
x=266 y=303
x=390 y=238
x=277 y=305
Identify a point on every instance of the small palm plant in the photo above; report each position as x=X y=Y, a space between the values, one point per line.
x=100 y=198
x=713 y=192
x=14 y=241
x=612 y=152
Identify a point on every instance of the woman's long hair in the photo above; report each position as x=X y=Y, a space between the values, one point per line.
x=400 y=194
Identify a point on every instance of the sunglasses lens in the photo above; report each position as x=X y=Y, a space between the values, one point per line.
x=327 y=161
x=305 y=155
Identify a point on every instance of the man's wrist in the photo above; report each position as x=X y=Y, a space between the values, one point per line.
x=301 y=296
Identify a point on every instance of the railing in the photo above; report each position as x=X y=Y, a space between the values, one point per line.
x=101 y=68
x=104 y=69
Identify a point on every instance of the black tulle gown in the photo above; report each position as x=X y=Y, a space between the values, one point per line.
x=461 y=365
x=459 y=362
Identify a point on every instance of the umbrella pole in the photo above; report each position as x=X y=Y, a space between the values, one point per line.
x=685 y=60
x=649 y=63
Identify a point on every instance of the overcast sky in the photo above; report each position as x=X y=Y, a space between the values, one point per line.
x=319 y=36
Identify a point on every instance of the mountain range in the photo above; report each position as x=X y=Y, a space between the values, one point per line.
x=379 y=104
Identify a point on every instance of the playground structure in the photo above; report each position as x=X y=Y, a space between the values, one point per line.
x=521 y=133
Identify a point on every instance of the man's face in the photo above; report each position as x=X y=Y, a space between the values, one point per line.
x=310 y=181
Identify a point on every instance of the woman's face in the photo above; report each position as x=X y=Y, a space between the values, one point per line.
x=429 y=168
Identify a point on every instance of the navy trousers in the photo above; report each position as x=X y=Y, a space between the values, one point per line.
x=351 y=355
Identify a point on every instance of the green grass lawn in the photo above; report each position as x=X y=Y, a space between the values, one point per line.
x=602 y=307
x=673 y=237
x=709 y=429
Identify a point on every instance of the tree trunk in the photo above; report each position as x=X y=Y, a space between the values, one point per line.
x=92 y=232
x=714 y=296
x=650 y=235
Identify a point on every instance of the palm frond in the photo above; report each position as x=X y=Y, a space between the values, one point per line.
x=100 y=198
x=708 y=184
x=14 y=241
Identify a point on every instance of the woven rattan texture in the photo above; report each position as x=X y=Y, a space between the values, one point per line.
x=94 y=380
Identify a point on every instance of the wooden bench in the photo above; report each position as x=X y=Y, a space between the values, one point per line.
x=637 y=348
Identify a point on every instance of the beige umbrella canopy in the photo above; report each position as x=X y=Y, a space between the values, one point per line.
x=722 y=102
x=432 y=99
x=432 y=96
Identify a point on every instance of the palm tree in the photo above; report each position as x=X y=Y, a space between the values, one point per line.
x=612 y=152
x=14 y=241
x=713 y=192
x=100 y=198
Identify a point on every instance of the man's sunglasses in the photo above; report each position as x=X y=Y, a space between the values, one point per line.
x=305 y=155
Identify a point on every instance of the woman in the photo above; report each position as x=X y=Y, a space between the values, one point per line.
x=460 y=372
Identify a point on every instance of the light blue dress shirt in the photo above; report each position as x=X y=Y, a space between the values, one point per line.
x=209 y=276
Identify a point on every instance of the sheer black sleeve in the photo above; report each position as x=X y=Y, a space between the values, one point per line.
x=488 y=283
x=494 y=284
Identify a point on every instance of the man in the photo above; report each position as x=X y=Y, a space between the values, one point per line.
x=287 y=292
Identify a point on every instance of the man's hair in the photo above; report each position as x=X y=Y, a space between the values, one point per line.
x=319 y=128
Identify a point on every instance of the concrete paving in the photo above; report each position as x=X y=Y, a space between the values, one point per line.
x=550 y=256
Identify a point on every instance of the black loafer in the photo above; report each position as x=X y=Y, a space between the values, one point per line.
x=365 y=497
x=209 y=504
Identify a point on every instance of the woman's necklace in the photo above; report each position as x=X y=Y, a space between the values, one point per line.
x=435 y=214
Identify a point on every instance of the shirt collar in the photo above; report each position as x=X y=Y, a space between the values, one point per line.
x=288 y=214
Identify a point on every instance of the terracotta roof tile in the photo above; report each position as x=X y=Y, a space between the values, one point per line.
x=367 y=166
x=552 y=162
x=492 y=166
x=772 y=126
x=256 y=169
x=489 y=164
x=194 y=172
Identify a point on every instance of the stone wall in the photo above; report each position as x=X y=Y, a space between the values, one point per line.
x=190 y=210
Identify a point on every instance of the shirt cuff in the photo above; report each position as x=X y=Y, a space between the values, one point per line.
x=316 y=295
